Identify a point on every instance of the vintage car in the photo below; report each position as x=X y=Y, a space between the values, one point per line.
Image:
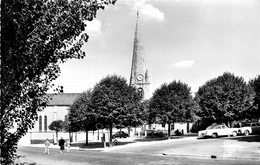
x=249 y=128
x=120 y=134
x=216 y=130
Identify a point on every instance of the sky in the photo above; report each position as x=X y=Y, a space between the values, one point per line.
x=192 y=41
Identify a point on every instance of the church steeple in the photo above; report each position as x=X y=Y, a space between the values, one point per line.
x=139 y=73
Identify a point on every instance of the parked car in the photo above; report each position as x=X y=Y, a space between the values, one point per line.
x=249 y=128
x=156 y=133
x=176 y=132
x=120 y=134
x=216 y=130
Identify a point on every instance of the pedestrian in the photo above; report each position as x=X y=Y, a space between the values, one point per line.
x=61 y=144
x=67 y=144
x=47 y=145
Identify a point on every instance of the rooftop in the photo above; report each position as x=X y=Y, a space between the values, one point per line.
x=62 y=99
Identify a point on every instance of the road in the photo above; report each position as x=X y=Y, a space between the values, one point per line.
x=159 y=152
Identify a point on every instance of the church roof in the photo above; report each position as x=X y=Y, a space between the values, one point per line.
x=62 y=99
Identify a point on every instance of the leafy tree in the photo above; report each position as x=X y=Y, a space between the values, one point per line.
x=224 y=99
x=254 y=112
x=172 y=103
x=116 y=104
x=146 y=111
x=57 y=126
x=37 y=35
x=81 y=115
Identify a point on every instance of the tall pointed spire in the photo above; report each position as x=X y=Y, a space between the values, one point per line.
x=139 y=74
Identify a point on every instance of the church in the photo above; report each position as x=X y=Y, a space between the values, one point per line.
x=58 y=106
x=139 y=74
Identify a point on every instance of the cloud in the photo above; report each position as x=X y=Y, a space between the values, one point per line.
x=151 y=12
x=183 y=64
x=94 y=27
x=94 y=31
x=147 y=10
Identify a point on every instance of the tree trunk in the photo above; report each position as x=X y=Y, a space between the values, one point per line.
x=129 y=130
x=110 y=136
x=86 y=137
x=188 y=127
x=110 y=130
x=169 y=130
x=57 y=140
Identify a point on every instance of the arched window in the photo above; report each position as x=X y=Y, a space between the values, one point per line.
x=66 y=118
x=40 y=124
x=45 y=123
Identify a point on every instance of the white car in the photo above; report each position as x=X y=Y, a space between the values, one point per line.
x=216 y=130
x=249 y=128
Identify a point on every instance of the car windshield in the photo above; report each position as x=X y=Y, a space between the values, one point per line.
x=210 y=127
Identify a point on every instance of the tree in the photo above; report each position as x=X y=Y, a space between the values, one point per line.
x=81 y=115
x=224 y=99
x=116 y=104
x=37 y=36
x=57 y=126
x=254 y=112
x=172 y=103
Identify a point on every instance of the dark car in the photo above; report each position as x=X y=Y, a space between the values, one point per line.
x=120 y=134
x=249 y=128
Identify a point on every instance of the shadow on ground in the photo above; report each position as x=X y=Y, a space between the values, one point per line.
x=250 y=138
x=165 y=138
x=17 y=161
x=94 y=145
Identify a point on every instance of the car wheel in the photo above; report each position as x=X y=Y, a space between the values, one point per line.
x=214 y=135
x=234 y=133
x=246 y=132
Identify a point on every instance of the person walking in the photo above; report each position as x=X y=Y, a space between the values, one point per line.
x=67 y=145
x=47 y=145
x=61 y=144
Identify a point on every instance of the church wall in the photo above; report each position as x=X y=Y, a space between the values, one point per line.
x=52 y=113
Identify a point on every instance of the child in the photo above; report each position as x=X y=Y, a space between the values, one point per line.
x=67 y=146
x=47 y=145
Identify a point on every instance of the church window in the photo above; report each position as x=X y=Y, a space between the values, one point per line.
x=40 y=124
x=45 y=123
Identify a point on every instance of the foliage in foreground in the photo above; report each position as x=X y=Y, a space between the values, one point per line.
x=36 y=36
